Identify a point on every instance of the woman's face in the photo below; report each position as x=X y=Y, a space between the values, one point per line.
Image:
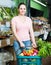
x=22 y=9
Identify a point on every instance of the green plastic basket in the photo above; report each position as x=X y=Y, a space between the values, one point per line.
x=29 y=60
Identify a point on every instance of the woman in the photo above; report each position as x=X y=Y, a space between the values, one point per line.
x=22 y=29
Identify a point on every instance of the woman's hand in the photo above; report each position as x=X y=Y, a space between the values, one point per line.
x=34 y=45
x=22 y=45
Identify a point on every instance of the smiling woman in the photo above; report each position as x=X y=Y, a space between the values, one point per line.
x=22 y=30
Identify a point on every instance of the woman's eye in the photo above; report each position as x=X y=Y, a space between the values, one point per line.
x=24 y=8
x=21 y=8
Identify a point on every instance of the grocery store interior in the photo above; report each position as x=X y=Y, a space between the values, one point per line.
x=40 y=13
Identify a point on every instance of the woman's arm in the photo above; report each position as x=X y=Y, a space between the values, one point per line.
x=32 y=35
x=15 y=34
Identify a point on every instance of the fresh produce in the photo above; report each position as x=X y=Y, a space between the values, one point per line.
x=5 y=33
x=44 y=48
x=30 y=52
x=21 y=54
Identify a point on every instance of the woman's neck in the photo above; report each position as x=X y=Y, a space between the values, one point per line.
x=22 y=18
x=21 y=15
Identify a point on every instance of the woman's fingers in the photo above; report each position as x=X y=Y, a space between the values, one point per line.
x=34 y=45
x=22 y=45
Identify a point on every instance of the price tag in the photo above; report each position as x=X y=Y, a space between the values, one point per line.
x=8 y=41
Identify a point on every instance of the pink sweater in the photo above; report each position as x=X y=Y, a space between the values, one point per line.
x=22 y=28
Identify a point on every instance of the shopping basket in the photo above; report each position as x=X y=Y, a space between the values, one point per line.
x=29 y=60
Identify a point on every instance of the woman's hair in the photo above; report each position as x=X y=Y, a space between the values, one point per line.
x=21 y=4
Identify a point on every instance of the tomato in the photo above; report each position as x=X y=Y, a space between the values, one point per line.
x=24 y=52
